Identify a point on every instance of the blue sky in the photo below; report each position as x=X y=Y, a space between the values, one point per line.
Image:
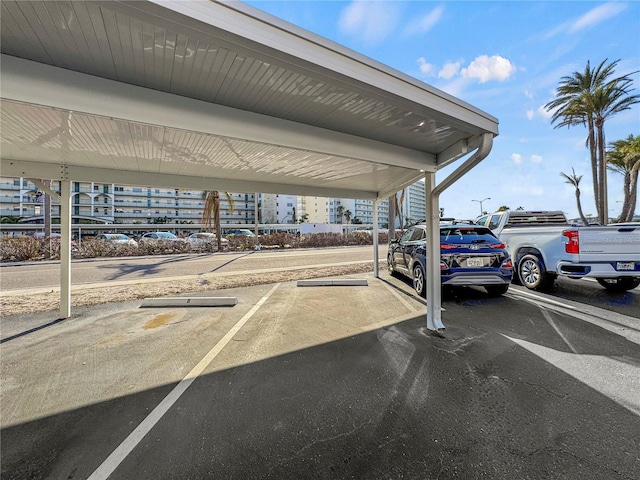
x=506 y=58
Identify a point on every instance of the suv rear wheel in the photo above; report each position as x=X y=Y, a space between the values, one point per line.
x=390 y=268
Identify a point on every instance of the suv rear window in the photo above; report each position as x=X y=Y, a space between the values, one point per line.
x=464 y=235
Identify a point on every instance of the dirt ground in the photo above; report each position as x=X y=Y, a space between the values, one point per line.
x=43 y=302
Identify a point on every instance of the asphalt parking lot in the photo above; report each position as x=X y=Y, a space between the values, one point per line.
x=323 y=382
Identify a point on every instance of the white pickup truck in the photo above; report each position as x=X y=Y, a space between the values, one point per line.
x=544 y=245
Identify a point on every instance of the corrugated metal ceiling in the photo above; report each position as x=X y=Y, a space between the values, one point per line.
x=154 y=46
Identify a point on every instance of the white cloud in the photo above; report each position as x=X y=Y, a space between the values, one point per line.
x=449 y=70
x=371 y=22
x=517 y=158
x=539 y=112
x=536 y=158
x=487 y=68
x=592 y=17
x=529 y=94
x=597 y=15
x=425 y=67
x=544 y=113
x=425 y=23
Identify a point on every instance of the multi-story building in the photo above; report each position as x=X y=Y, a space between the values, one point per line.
x=414 y=205
x=316 y=209
x=109 y=203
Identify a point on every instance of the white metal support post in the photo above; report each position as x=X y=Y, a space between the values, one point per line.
x=65 y=249
x=432 y=193
x=434 y=286
x=376 y=254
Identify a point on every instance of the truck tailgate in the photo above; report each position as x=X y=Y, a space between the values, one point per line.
x=610 y=243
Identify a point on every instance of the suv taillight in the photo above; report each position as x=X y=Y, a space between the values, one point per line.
x=573 y=241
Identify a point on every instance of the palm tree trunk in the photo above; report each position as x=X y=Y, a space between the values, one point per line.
x=594 y=166
x=627 y=196
x=604 y=204
x=633 y=189
x=216 y=218
x=582 y=217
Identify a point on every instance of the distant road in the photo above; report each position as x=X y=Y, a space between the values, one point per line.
x=47 y=274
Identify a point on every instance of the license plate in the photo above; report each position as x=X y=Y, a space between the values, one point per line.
x=625 y=266
x=475 y=262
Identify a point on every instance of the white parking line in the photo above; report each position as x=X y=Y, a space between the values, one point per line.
x=540 y=298
x=120 y=453
x=547 y=316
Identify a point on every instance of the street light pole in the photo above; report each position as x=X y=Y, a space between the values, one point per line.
x=480 y=202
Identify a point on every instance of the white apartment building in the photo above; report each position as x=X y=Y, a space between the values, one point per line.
x=316 y=209
x=109 y=203
x=413 y=207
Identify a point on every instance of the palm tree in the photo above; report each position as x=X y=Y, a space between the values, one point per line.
x=211 y=211
x=624 y=158
x=590 y=98
x=574 y=180
x=348 y=215
x=340 y=212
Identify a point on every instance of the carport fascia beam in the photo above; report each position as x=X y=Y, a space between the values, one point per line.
x=31 y=82
x=56 y=171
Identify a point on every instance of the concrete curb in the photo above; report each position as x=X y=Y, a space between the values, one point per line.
x=190 y=302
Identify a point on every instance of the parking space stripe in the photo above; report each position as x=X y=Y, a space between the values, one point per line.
x=548 y=318
x=122 y=451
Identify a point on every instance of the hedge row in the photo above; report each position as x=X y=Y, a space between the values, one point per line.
x=29 y=248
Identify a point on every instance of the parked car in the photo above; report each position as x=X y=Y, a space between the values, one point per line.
x=159 y=236
x=117 y=238
x=203 y=238
x=469 y=255
x=239 y=231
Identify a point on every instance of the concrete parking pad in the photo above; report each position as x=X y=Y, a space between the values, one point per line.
x=325 y=383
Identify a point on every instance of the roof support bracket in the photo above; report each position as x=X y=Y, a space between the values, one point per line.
x=41 y=185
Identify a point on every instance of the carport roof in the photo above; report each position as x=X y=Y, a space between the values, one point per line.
x=213 y=95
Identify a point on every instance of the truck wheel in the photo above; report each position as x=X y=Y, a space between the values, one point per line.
x=419 y=281
x=496 y=290
x=619 y=285
x=533 y=275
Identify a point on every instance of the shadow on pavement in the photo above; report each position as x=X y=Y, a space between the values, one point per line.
x=390 y=403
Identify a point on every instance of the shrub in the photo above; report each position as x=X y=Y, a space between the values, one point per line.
x=29 y=248
x=21 y=249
